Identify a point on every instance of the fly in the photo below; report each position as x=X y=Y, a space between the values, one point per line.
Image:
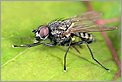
x=63 y=32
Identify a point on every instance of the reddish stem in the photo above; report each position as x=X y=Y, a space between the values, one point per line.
x=114 y=54
x=88 y=5
x=108 y=42
x=117 y=75
x=106 y=21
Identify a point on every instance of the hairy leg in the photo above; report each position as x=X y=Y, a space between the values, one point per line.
x=33 y=44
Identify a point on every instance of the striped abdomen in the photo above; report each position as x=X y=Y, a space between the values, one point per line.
x=86 y=37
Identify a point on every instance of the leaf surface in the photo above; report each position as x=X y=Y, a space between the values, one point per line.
x=46 y=63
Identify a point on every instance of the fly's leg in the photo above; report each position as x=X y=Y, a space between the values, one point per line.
x=76 y=49
x=48 y=44
x=77 y=43
x=32 y=45
x=81 y=42
x=94 y=58
x=66 y=56
x=26 y=45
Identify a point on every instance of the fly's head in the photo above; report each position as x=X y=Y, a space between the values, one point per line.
x=41 y=33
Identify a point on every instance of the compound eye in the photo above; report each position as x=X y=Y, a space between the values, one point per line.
x=44 y=31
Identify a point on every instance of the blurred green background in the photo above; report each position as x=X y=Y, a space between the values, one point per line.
x=46 y=63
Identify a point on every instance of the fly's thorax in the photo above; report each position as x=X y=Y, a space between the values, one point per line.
x=57 y=28
x=59 y=25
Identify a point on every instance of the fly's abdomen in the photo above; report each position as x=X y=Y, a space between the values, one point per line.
x=86 y=37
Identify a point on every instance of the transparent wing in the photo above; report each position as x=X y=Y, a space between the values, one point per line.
x=92 y=15
x=87 y=23
x=86 y=20
x=95 y=28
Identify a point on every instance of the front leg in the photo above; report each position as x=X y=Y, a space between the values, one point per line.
x=34 y=44
x=48 y=44
x=66 y=56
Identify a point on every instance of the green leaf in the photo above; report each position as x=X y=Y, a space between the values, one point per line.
x=42 y=62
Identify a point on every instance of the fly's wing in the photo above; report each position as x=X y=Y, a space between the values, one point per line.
x=94 y=28
x=91 y=16
x=87 y=23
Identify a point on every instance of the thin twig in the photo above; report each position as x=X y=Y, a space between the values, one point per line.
x=88 y=5
x=117 y=75
x=108 y=42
